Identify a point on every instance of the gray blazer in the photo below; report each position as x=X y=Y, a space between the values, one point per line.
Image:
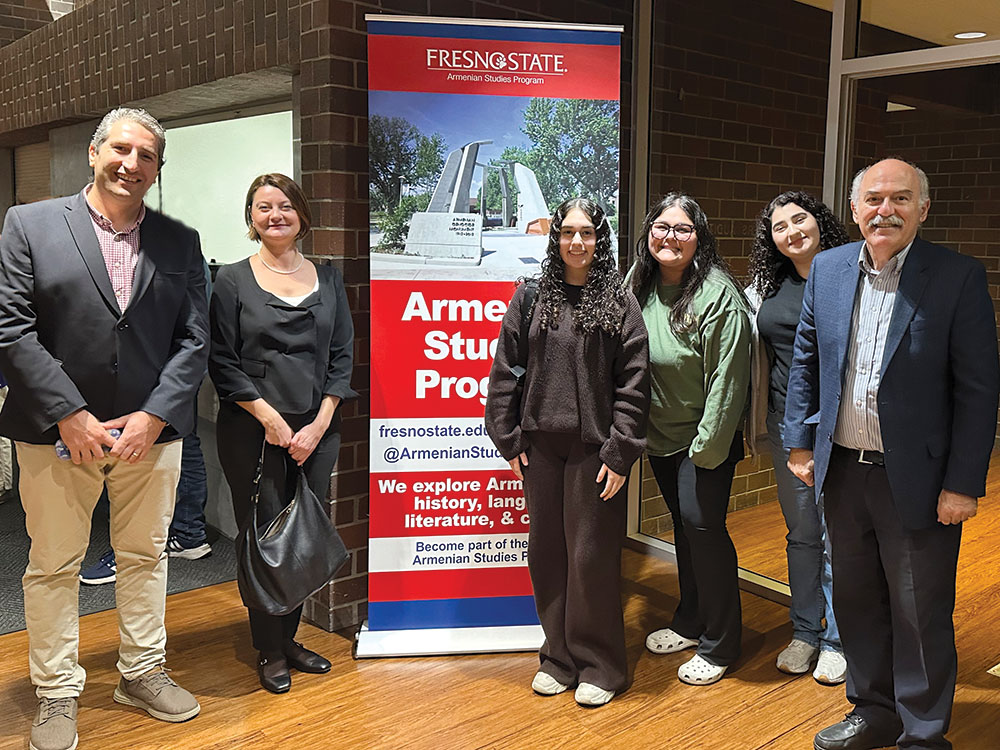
x=65 y=344
x=940 y=377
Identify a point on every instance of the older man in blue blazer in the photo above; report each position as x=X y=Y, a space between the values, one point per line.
x=891 y=411
x=103 y=325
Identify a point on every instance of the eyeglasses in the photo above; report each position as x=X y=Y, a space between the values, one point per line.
x=682 y=232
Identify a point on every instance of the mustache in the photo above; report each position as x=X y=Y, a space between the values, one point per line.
x=885 y=221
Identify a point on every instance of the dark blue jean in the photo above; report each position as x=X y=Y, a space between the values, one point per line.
x=188 y=524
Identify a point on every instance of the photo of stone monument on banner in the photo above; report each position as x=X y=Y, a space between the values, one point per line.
x=477 y=130
x=479 y=194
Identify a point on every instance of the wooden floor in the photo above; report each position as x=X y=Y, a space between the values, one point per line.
x=464 y=702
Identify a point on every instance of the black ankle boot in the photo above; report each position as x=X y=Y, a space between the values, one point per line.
x=305 y=660
x=272 y=669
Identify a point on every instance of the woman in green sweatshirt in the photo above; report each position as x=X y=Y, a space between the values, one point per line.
x=699 y=350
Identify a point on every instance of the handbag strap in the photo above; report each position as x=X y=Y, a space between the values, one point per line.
x=260 y=470
x=527 y=310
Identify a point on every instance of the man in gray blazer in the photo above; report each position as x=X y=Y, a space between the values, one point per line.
x=103 y=326
x=891 y=410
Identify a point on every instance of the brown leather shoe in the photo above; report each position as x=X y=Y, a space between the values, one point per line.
x=272 y=669
x=305 y=660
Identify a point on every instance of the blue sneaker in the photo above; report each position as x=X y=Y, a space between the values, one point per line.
x=103 y=571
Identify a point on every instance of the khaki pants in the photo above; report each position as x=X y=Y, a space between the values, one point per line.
x=59 y=498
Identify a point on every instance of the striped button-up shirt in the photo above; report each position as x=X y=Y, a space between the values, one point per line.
x=857 y=420
x=120 y=250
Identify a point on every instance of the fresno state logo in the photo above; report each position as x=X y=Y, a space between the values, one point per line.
x=485 y=61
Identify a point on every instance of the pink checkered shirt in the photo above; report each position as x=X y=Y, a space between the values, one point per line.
x=120 y=251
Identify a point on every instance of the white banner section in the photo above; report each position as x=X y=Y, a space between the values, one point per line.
x=447 y=552
x=427 y=444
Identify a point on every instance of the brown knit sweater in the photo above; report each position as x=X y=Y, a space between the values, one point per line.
x=592 y=386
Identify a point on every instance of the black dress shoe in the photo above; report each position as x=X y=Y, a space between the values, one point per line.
x=305 y=660
x=853 y=733
x=273 y=673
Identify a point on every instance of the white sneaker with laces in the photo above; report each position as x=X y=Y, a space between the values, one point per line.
x=797 y=657
x=831 y=669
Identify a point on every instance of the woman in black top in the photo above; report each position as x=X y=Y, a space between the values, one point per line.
x=793 y=228
x=282 y=352
x=572 y=435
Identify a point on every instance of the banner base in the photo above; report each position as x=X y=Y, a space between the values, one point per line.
x=436 y=641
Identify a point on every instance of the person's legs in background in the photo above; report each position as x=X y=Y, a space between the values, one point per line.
x=809 y=578
x=187 y=529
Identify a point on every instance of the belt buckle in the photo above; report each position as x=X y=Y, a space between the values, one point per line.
x=861 y=458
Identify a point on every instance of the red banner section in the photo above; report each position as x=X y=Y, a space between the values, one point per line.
x=432 y=346
x=447 y=503
x=493 y=67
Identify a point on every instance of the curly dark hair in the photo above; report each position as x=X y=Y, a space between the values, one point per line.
x=706 y=257
x=768 y=267
x=603 y=300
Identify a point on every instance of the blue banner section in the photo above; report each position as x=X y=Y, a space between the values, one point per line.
x=505 y=33
x=452 y=613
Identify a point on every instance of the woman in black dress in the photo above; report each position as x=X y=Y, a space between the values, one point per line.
x=282 y=353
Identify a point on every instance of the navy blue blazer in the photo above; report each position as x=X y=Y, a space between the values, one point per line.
x=939 y=380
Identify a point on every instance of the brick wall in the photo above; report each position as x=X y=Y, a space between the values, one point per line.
x=20 y=17
x=112 y=51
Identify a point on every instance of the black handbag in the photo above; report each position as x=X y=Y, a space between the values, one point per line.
x=295 y=556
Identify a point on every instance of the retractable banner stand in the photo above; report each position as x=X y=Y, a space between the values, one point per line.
x=477 y=130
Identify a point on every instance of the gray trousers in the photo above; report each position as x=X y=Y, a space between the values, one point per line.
x=574 y=557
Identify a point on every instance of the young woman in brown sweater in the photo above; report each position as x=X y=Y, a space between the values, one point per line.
x=571 y=429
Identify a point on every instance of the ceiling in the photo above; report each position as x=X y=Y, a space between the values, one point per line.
x=932 y=20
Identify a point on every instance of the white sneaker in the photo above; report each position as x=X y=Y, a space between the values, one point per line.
x=700 y=671
x=831 y=669
x=546 y=684
x=667 y=641
x=797 y=657
x=591 y=695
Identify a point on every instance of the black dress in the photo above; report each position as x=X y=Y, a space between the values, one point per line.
x=291 y=356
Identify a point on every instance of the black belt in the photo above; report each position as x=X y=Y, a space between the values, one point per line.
x=872 y=458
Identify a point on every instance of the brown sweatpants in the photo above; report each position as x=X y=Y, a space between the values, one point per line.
x=574 y=557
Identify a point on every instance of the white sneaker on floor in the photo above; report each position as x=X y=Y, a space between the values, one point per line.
x=831 y=669
x=546 y=684
x=667 y=641
x=700 y=671
x=797 y=657
x=591 y=695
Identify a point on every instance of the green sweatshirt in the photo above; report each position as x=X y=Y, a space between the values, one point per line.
x=701 y=378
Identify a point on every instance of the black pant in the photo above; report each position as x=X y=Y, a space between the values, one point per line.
x=574 y=558
x=707 y=570
x=894 y=600
x=239 y=441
